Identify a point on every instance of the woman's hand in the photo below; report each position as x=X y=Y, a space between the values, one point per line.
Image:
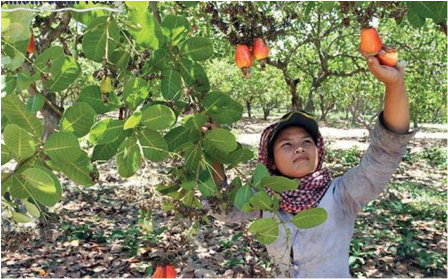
x=387 y=75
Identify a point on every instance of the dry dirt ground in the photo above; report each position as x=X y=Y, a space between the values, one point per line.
x=94 y=232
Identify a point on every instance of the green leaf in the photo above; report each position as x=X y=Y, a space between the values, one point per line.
x=35 y=103
x=23 y=80
x=193 y=157
x=158 y=117
x=194 y=75
x=78 y=171
x=171 y=84
x=53 y=199
x=8 y=83
x=222 y=108
x=222 y=139
x=16 y=25
x=206 y=184
x=16 y=113
x=120 y=60
x=42 y=186
x=310 y=218
x=195 y=121
x=128 y=157
x=279 y=184
x=87 y=17
x=416 y=20
x=93 y=96
x=18 y=187
x=198 y=49
x=177 y=27
x=32 y=209
x=241 y=155
x=101 y=32
x=64 y=76
x=104 y=152
x=328 y=5
x=6 y=155
x=106 y=130
x=260 y=172
x=188 y=185
x=20 y=217
x=19 y=142
x=154 y=145
x=151 y=34
x=176 y=138
x=242 y=196
x=265 y=230
x=137 y=5
x=51 y=60
x=78 y=119
x=63 y=147
x=189 y=4
x=262 y=201
x=160 y=58
x=429 y=9
x=133 y=120
x=135 y=91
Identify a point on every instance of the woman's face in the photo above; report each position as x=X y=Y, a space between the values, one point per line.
x=295 y=154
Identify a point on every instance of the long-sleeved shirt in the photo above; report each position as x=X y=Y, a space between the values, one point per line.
x=323 y=251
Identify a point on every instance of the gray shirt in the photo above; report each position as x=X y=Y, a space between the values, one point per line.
x=323 y=251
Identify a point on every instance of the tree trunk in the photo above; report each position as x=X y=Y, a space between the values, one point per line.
x=266 y=112
x=249 y=107
x=309 y=107
x=295 y=99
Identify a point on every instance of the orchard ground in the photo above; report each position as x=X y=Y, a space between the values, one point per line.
x=95 y=232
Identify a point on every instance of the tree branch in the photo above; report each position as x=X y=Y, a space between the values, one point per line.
x=155 y=11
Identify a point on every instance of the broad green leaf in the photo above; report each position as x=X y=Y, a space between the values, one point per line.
x=78 y=119
x=41 y=186
x=23 y=80
x=106 y=130
x=260 y=172
x=153 y=144
x=415 y=19
x=20 y=217
x=32 y=209
x=171 y=84
x=137 y=5
x=221 y=139
x=242 y=196
x=133 y=120
x=6 y=154
x=102 y=32
x=328 y=5
x=265 y=230
x=63 y=147
x=120 y=59
x=16 y=25
x=195 y=121
x=222 y=108
x=429 y=9
x=218 y=155
x=128 y=157
x=193 y=157
x=8 y=83
x=310 y=218
x=160 y=58
x=198 y=49
x=158 y=117
x=19 y=142
x=18 y=187
x=35 y=103
x=206 y=184
x=262 y=201
x=87 y=17
x=93 y=96
x=189 y=4
x=177 y=27
x=279 y=183
x=15 y=54
x=51 y=60
x=78 y=171
x=188 y=185
x=151 y=34
x=53 y=199
x=15 y=111
x=176 y=138
x=104 y=152
x=241 y=155
x=64 y=76
x=135 y=91
x=188 y=199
